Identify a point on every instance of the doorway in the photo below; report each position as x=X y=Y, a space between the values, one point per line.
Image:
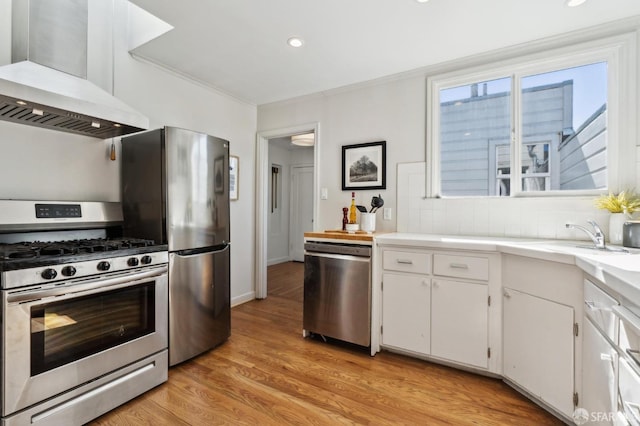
x=264 y=195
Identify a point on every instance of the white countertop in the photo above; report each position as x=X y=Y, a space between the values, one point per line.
x=619 y=271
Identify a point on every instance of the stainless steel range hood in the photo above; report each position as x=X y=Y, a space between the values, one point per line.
x=46 y=85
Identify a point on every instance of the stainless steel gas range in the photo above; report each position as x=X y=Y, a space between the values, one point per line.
x=84 y=312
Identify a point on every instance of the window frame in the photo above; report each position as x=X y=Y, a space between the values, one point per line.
x=619 y=52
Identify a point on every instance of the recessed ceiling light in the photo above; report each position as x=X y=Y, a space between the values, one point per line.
x=422 y=1
x=574 y=3
x=295 y=42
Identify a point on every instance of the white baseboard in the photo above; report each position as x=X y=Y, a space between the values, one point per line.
x=243 y=298
x=278 y=260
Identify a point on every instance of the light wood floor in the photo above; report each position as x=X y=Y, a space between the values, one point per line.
x=267 y=374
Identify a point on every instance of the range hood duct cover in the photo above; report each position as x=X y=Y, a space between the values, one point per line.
x=46 y=86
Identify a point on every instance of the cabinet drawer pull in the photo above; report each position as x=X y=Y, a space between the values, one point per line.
x=459 y=266
x=405 y=261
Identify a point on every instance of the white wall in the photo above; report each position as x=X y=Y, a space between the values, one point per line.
x=301 y=156
x=49 y=165
x=393 y=109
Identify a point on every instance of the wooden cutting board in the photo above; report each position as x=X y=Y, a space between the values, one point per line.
x=341 y=235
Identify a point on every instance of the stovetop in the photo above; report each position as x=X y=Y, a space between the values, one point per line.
x=24 y=255
x=29 y=250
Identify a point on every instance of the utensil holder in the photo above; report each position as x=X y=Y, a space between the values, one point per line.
x=368 y=222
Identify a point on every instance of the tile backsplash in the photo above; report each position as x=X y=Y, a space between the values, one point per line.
x=532 y=217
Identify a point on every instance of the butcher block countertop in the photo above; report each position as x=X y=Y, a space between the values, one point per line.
x=340 y=235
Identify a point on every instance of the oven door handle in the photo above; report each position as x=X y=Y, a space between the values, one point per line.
x=96 y=285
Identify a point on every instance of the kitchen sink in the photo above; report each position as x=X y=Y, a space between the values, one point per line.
x=606 y=249
x=583 y=248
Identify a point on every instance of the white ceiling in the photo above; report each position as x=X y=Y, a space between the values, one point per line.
x=239 y=46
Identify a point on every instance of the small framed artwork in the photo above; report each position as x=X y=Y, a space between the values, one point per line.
x=364 y=166
x=234 y=173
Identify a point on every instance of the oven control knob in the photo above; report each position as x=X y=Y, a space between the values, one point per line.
x=68 y=271
x=146 y=260
x=133 y=261
x=104 y=266
x=49 y=274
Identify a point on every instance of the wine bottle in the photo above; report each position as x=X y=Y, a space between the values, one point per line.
x=352 y=209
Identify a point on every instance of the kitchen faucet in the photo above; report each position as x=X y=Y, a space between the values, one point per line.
x=597 y=236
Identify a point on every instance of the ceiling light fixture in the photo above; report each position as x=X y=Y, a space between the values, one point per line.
x=574 y=3
x=422 y=1
x=295 y=42
x=308 y=139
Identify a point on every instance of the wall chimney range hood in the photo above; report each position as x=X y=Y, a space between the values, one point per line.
x=46 y=85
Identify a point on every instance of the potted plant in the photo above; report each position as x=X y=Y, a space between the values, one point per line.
x=622 y=206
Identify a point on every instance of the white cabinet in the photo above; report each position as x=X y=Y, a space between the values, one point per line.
x=469 y=267
x=406 y=303
x=406 y=261
x=459 y=321
x=538 y=350
x=425 y=311
x=598 y=373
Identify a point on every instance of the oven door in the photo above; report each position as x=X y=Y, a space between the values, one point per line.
x=57 y=337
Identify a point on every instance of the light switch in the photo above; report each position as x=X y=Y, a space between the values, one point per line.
x=386 y=213
x=324 y=194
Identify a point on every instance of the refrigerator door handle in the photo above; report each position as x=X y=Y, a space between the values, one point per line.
x=202 y=250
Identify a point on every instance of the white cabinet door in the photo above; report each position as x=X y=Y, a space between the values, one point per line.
x=459 y=321
x=599 y=359
x=406 y=312
x=538 y=347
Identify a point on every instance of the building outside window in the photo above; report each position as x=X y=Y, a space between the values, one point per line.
x=551 y=126
x=563 y=133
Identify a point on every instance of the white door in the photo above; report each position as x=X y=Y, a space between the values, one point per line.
x=301 y=209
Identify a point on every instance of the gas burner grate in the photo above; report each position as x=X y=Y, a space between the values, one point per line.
x=36 y=249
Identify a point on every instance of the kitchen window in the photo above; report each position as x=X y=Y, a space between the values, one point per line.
x=552 y=124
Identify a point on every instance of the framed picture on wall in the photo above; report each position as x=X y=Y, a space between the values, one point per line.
x=364 y=166
x=234 y=172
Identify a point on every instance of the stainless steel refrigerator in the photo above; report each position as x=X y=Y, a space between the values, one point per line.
x=175 y=190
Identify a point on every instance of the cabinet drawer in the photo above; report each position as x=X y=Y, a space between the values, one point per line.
x=476 y=268
x=598 y=307
x=406 y=261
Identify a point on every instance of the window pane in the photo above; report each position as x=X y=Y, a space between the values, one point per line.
x=474 y=121
x=564 y=112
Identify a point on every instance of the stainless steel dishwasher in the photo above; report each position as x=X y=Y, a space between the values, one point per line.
x=337 y=291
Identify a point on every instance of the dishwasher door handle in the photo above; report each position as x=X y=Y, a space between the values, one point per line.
x=338 y=256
